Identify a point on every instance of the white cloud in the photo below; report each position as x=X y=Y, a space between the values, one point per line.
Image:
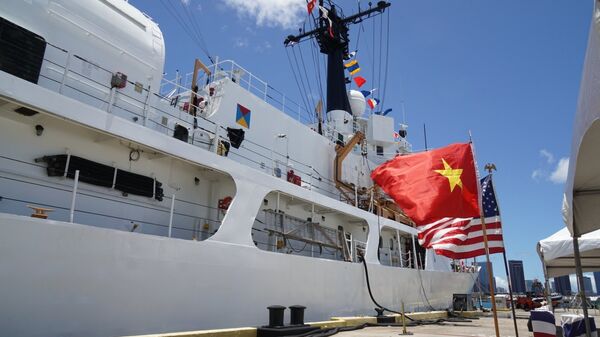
x=185 y=2
x=548 y=155
x=550 y=169
x=271 y=13
x=261 y=47
x=537 y=174
x=559 y=175
x=240 y=42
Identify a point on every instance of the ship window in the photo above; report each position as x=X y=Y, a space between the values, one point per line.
x=397 y=249
x=288 y=225
x=21 y=51
x=379 y=150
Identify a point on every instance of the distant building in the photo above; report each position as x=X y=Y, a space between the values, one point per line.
x=587 y=285
x=501 y=290
x=482 y=283
x=552 y=286
x=528 y=284
x=517 y=276
x=562 y=285
x=597 y=280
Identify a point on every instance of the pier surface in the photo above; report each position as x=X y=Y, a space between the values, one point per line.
x=474 y=324
x=482 y=327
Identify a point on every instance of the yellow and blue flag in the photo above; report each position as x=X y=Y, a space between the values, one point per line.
x=352 y=67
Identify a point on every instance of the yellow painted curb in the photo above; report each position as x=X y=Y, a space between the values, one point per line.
x=334 y=322
x=353 y=321
x=431 y=315
x=328 y=324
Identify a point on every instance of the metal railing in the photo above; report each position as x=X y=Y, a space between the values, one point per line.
x=65 y=198
x=163 y=111
x=245 y=79
x=171 y=106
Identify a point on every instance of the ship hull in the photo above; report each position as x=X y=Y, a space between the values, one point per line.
x=63 y=279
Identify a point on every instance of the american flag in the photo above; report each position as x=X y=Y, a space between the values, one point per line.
x=462 y=238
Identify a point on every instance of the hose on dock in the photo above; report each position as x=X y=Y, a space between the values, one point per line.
x=379 y=306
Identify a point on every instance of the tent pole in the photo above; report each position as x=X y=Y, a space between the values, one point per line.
x=547 y=283
x=580 y=284
x=510 y=293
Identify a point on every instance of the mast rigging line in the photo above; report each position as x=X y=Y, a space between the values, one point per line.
x=386 y=69
x=317 y=69
x=373 y=78
x=190 y=28
x=380 y=50
x=309 y=97
x=187 y=11
x=300 y=83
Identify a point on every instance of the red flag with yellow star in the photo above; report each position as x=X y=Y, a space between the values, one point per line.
x=432 y=185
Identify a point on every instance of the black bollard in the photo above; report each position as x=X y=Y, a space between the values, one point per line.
x=276 y=315
x=297 y=314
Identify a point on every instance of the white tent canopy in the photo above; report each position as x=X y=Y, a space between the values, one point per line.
x=582 y=193
x=556 y=253
x=581 y=209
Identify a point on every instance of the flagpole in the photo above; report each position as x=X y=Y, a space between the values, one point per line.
x=510 y=293
x=490 y=273
x=490 y=168
x=486 y=247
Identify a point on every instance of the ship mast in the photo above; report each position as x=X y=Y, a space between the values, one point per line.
x=333 y=41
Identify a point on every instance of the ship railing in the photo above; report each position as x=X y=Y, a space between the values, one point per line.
x=248 y=81
x=89 y=82
x=279 y=232
x=70 y=201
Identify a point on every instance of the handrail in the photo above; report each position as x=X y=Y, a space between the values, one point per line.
x=151 y=108
x=247 y=80
x=126 y=220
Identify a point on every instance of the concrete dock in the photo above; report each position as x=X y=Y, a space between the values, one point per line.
x=482 y=327
x=475 y=324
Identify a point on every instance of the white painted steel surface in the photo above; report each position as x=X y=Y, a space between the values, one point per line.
x=72 y=279
x=62 y=279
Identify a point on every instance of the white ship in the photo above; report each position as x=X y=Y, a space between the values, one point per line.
x=132 y=204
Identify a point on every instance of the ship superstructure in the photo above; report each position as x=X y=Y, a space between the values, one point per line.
x=159 y=205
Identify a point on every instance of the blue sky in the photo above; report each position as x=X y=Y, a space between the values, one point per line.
x=508 y=71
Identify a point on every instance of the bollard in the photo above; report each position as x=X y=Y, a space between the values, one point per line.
x=297 y=314
x=276 y=315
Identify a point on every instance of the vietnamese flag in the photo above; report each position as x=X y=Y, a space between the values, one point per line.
x=432 y=185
